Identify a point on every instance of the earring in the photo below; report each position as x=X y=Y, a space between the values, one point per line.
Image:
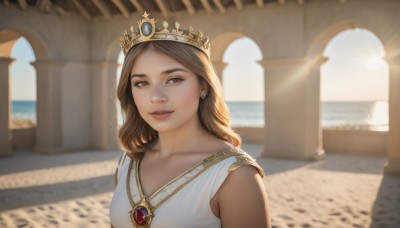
x=203 y=95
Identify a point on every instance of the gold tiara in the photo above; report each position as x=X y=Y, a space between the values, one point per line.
x=148 y=32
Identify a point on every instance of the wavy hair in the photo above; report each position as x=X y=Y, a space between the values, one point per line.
x=134 y=133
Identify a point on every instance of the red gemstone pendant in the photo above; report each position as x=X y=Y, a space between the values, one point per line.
x=141 y=215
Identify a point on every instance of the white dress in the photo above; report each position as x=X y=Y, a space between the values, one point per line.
x=184 y=201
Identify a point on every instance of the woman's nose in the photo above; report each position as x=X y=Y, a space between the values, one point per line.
x=158 y=95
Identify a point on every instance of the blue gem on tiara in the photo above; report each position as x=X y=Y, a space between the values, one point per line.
x=146 y=28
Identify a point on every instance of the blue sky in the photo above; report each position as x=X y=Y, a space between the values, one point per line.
x=355 y=70
x=23 y=75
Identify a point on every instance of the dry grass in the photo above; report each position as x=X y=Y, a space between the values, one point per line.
x=18 y=122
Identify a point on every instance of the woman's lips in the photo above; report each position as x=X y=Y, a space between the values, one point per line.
x=161 y=115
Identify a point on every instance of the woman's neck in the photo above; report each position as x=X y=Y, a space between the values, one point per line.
x=183 y=140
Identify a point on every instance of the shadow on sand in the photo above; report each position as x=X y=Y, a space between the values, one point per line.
x=387 y=201
x=331 y=162
x=273 y=166
x=350 y=164
x=23 y=161
x=15 y=198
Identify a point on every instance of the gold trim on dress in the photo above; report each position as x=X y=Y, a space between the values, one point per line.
x=243 y=160
x=146 y=202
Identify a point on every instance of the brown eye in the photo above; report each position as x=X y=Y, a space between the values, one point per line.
x=140 y=84
x=174 y=80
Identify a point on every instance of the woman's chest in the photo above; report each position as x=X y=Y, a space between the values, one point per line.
x=155 y=174
x=189 y=207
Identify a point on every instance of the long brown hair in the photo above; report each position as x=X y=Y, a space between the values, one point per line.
x=135 y=133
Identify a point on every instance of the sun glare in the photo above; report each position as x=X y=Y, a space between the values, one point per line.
x=374 y=62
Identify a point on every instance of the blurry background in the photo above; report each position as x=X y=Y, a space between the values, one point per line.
x=354 y=86
x=314 y=72
x=312 y=87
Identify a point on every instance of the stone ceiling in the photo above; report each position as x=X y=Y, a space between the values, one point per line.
x=110 y=8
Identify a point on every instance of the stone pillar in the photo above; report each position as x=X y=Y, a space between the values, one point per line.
x=314 y=116
x=219 y=67
x=104 y=113
x=292 y=118
x=5 y=107
x=48 y=129
x=393 y=146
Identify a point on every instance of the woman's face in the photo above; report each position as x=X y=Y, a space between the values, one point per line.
x=165 y=92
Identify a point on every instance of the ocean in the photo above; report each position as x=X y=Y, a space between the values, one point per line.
x=368 y=115
x=335 y=115
x=24 y=109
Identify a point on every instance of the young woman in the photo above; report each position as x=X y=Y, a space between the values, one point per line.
x=183 y=166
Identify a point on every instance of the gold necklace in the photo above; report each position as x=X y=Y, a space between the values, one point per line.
x=142 y=213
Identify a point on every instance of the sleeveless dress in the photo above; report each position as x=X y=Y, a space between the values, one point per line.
x=184 y=201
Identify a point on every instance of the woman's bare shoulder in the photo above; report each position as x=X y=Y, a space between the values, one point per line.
x=243 y=195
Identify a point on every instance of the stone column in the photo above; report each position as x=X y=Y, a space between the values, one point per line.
x=292 y=102
x=48 y=129
x=219 y=69
x=104 y=113
x=314 y=116
x=393 y=146
x=5 y=107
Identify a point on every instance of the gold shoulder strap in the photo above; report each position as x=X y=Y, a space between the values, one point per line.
x=116 y=170
x=242 y=159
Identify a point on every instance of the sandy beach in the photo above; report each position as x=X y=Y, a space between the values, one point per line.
x=74 y=190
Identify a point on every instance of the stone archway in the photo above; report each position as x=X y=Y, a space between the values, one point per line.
x=314 y=57
x=368 y=90
x=315 y=50
x=253 y=135
x=319 y=42
x=9 y=36
x=219 y=45
x=7 y=41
